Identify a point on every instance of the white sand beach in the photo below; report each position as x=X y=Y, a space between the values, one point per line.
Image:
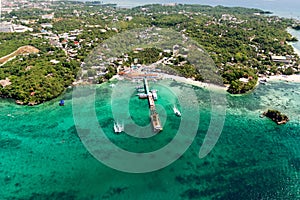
x=292 y=78
x=195 y=83
x=297 y=51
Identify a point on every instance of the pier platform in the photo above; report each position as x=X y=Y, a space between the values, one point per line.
x=154 y=116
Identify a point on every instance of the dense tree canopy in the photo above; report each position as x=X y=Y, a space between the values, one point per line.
x=240 y=41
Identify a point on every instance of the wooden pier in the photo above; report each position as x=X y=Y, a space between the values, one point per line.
x=155 y=121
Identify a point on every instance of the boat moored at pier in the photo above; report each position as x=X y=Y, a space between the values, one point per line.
x=154 y=94
x=151 y=96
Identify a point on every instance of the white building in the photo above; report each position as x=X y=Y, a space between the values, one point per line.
x=46 y=25
x=49 y=16
x=281 y=59
x=128 y=18
x=6 y=27
x=21 y=29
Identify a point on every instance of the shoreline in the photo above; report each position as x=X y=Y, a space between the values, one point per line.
x=291 y=31
x=194 y=83
x=290 y=78
x=295 y=78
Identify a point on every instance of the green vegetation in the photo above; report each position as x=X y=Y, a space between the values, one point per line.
x=9 y=42
x=233 y=75
x=67 y=25
x=111 y=71
x=34 y=79
x=145 y=57
x=240 y=41
x=151 y=55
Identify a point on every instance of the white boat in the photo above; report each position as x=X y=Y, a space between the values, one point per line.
x=176 y=111
x=154 y=94
x=142 y=95
x=118 y=128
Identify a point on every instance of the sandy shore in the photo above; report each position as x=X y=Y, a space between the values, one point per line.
x=195 y=83
x=292 y=32
x=297 y=51
x=292 y=78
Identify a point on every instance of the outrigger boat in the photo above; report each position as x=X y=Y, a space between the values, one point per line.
x=176 y=111
x=118 y=128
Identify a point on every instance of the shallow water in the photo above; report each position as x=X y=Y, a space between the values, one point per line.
x=42 y=156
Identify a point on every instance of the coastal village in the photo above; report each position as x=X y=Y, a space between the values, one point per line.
x=89 y=110
x=76 y=43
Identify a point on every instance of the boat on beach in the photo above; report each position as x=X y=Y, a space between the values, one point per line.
x=263 y=81
x=176 y=111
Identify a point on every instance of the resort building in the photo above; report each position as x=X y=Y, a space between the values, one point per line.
x=281 y=59
x=6 y=27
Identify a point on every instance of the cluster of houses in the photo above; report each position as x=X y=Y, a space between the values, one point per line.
x=66 y=41
x=288 y=61
x=70 y=43
x=7 y=6
x=136 y=71
x=10 y=5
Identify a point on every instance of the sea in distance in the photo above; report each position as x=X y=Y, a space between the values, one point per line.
x=287 y=8
x=42 y=156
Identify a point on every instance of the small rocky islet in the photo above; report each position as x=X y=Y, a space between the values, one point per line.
x=276 y=116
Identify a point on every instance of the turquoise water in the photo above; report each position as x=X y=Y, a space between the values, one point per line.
x=42 y=156
x=296 y=34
